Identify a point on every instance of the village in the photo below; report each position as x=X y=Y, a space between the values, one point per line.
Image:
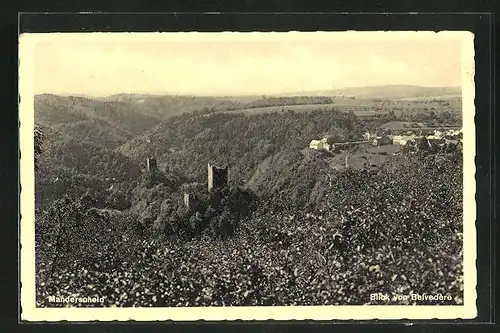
x=428 y=139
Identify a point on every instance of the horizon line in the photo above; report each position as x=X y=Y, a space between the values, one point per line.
x=241 y=94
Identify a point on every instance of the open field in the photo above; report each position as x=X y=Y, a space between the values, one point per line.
x=365 y=108
x=362 y=156
x=388 y=92
x=441 y=97
x=359 y=110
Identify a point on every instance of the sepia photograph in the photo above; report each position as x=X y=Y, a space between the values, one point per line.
x=252 y=176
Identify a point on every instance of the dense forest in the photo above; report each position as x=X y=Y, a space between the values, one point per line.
x=288 y=230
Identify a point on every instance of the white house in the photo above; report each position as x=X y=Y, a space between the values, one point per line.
x=396 y=139
x=319 y=144
x=434 y=137
x=449 y=132
x=455 y=133
x=402 y=140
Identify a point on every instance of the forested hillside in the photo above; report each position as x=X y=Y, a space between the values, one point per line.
x=110 y=121
x=68 y=166
x=183 y=145
x=96 y=131
x=188 y=143
x=51 y=110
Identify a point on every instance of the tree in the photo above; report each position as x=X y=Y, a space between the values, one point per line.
x=39 y=138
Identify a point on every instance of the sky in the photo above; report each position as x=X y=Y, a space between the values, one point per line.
x=213 y=65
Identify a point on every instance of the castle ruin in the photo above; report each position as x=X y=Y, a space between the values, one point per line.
x=151 y=164
x=217 y=180
x=217 y=177
x=190 y=201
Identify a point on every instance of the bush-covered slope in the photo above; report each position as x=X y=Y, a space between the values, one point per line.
x=397 y=230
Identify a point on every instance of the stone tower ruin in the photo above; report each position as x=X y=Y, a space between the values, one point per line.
x=217 y=177
x=151 y=162
x=189 y=201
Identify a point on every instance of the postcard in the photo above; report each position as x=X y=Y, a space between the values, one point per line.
x=247 y=176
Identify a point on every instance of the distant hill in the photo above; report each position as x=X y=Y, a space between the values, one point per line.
x=390 y=92
x=52 y=110
x=132 y=112
x=96 y=131
x=165 y=106
x=383 y=92
x=111 y=121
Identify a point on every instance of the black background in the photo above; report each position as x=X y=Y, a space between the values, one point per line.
x=482 y=24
